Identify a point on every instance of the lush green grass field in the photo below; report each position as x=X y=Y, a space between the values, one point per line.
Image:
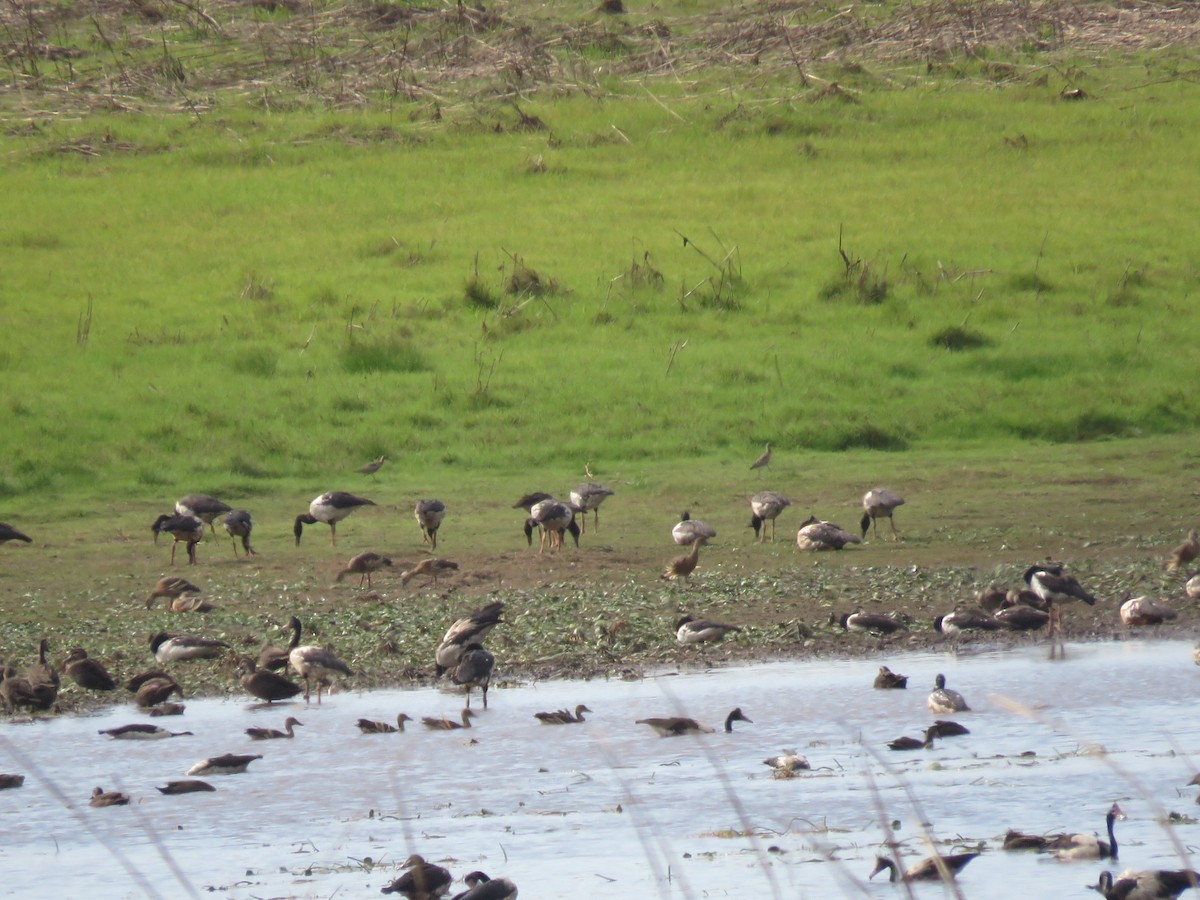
x=252 y=297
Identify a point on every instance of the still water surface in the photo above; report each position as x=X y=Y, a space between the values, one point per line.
x=607 y=808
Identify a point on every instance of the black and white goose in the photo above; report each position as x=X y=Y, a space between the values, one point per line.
x=429 y=515
x=817 y=535
x=317 y=664
x=168 y=647
x=140 y=732
x=945 y=700
x=1145 y=611
x=422 y=881
x=674 y=726
x=691 y=630
x=965 y=620
x=765 y=506
x=1154 y=884
x=239 y=524
x=587 y=497
x=465 y=631
x=1054 y=587
x=1088 y=846
x=204 y=507
x=474 y=669
x=874 y=623
x=483 y=887
x=555 y=519
x=226 y=764
x=687 y=529
x=931 y=868
x=188 y=529
x=329 y=508
x=879 y=503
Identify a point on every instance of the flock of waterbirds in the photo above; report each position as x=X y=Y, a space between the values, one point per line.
x=462 y=656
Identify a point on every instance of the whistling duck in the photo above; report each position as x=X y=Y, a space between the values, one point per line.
x=86 y=672
x=463 y=632
x=373 y=466
x=1154 y=884
x=422 y=881
x=448 y=724
x=687 y=529
x=817 y=535
x=992 y=598
x=265 y=684
x=178 y=647
x=226 y=764
x=429 y=515
x=788 y=761
x=1018 y=840
x=317 y=664
x=764 y=458
x=944 y=728
x=684 y=566
x=8 y=533
x=363 y=565
x=474 y=669
x=889 y=680
x=271 y=734
x=912 y=743
x=1145 y=611
x=562 y=716
x=1180 y=556
x=188 y=529
x=329 y=508
x=430 y=568
x=8 y=781
x=140 y=732
x=673 y=726
x=172 y=587
x=166 y=709
x=1088 y=846
x=1021 y=618
x=879 y=504
x=587 y=497
x=765 y=506
x=154 y=691
x=203 y=507
x=482 y=887
x=370 y=726
x=877 y=623
x=931 y=868
x=185 y=786
x=42 y=672
x=238 y=524
x=690 y=630
x=101 y=797
x=555 y=519
x=944 y=700
x=965 y=620
x=18 y=691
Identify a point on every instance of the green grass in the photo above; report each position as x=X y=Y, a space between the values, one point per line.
x=283 y=286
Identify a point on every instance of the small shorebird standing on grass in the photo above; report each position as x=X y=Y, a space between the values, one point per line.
x=764 y=458
x=374 y=466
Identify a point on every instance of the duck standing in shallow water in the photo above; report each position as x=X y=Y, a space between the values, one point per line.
x=944 y=700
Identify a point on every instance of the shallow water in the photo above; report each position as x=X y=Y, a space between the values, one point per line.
x=609 y=809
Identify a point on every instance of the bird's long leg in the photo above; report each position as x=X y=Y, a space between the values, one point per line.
x=173 y=545
x=433 y=540
x=191 y=547
x=333 y=532
x=895 y=533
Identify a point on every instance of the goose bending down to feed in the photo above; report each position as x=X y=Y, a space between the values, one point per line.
x=690 y=630
x=931 y=868
x=1089 y=846
x=430 y=568
x=945 y=700
x=227 y=764
x=168 y=647
x=316 y=664
x=912 y=743
x=8 y=533
x=173 y=588
x=563 y=716
x=874 y=623
x=139 y=732
x=687 y=529
x=674 y=726
x=437 y=724
x=422 y=881
x=204 y=507
x=788 y=761
x=465 y=631
x=965 y=620
x=166 y=709
x=765 y=506
x=483 y=887
x=101 y=797
x=188 y=529
x=185 y=786
x=1145 y=611
x=878 y=504
x=1154 y=884
x=363 y=565
x=239 y=524
x=474 y=669
x=329 y=508
x=429 y=515
x=587 y=497
x=1185 y=553
x=888 y=680
x=271 y=734
x=555 y=519
x=371 y=726
x=154 y=691
x=684 y=566
x=265 y=684
x=817 y=535
x=528 y=501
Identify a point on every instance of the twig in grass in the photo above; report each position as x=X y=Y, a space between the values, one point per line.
x=191 y=7
x=675 y=348
x=83 y=330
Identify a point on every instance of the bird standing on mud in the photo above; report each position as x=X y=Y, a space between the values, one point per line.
x=238 y=524
x=363 y=565
x=8 y=533
x=765 y=506
x=204 y=507
x=879 y=504
x=330 y=508
x=188 y=529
